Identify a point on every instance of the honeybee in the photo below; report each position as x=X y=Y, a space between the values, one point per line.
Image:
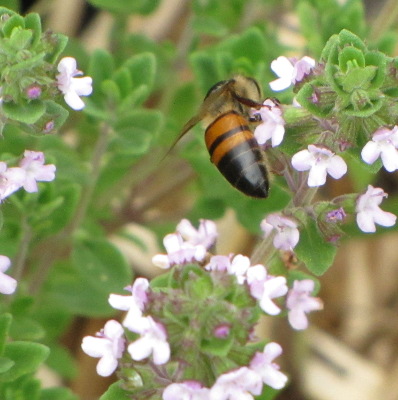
x=230 y=141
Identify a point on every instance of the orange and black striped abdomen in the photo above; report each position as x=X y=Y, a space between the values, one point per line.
x=237 y=155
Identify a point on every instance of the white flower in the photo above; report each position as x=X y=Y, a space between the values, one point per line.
x=188 y=390
x=384 y=144
x=178 y=252
x=237 y=265
x=369 y=213
x=239 y=384
x=273 y=125
x=153 y=341
x=36 y=171
x=205 y=235
x=263 y=364
x=11 y=180
x=290 y=71
x=108 y=346
x=134 y=304
x=320 y=161
x=266 y=287
x=72 y=87
x=7 y=283
x=300 y=302
x=286 y=233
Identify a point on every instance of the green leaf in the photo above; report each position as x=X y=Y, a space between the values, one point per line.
x=60 y=210
x=12 y=4
x=124 y=7
x=55 y=113
x=27 y=357
x=142 y=69
x=134 y=99
x=70 y=292
x=100 y=68
x=5 y=364
x=60 y=42
x=124 y=82
x=32 y=21
x=205 y=70
x=57 y=394
x=100 y=259
x=20 y=38
x=16 y=21
x=62 y=362
x=217 y=347
x=26 y=328
x=26 y=112
x=312 y=249
x=115 y=392
x=5 y=323
x=111 y=90
x=136 y=132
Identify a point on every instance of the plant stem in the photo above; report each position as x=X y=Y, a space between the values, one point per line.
x=88 y=190
x=59 y=244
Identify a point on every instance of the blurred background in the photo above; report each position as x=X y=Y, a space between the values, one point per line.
x=351 y=350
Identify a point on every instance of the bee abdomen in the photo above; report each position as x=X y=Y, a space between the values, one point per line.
x=235 y=152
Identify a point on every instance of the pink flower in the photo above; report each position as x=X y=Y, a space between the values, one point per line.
x=178 y=252
x=273 y=125
x=134 y=304
x=205 y=235
x=266 y=287
x=320 y=161
x=153 y=341
x=11 y=180
x=108 y=346
x=300 y=302
x=8 y=284
x=290 y=71
x=285 y=228
x=369 y=213
x=36 y=171
x=262 y=364
x=239 y=384
x=237 y=265
x=70 y=86
x=188 y=390
x=384 y=144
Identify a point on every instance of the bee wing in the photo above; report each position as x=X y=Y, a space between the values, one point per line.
x=209 y=100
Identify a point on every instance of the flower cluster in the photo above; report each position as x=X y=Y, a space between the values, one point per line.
x=319 y=160
x=187 y=245
x=31 y=170
x=153 y=327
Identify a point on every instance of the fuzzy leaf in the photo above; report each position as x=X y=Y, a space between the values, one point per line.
x=60 y=41
x=115 y=392
x=312 y=249
x=27 y=357
x=33 y=22
x=27 y=113
x=101 y=259
x=142 y=69
x=16 y=21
